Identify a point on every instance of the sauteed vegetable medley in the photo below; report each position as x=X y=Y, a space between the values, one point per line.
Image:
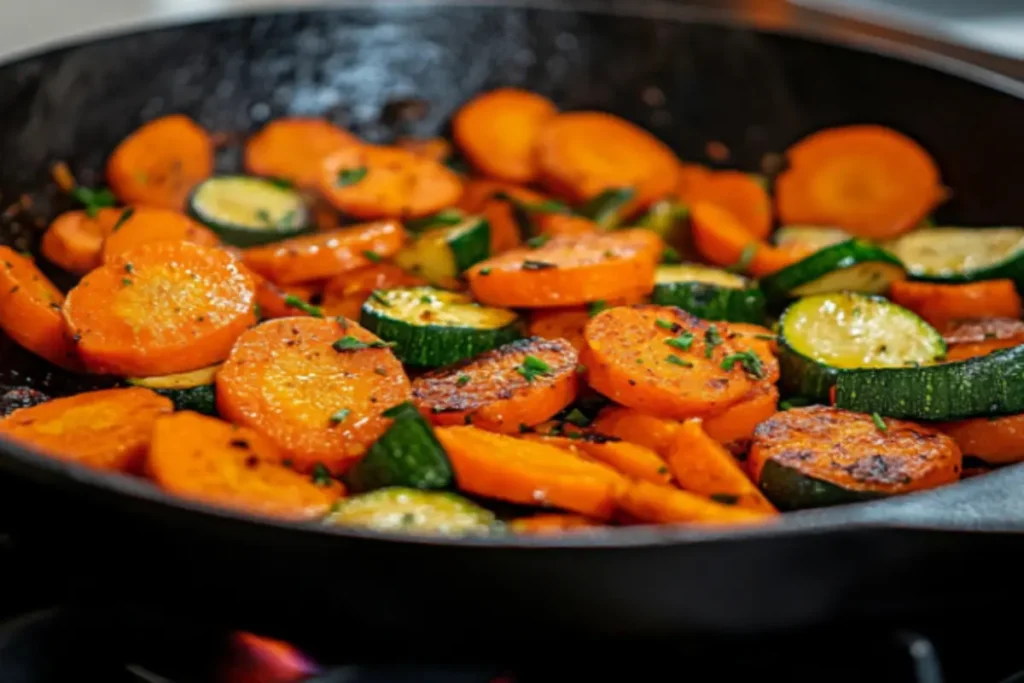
x=553 y=324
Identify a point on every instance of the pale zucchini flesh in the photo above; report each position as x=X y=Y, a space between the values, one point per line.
x=695 y=272
x=961 y=253
x=414 y=511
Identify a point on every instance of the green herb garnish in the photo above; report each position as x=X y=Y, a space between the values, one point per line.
x=372 y=256
x=711 y=339
x=292 y=301
x=537 y=265
x=379 y=297
x=94 y=200
x=750 y=361
x=746 y=257
x=340 y=416
x=533 y=366
x=126 y=282
x=546 y=206
x=462 y=381
x=724 y=498
x=683 y=342
x=485 y=271
x=879 y=422
x=445 y=218
x=538 y=241
x=350 y=343
x=350 y=176
x=671 y=255
x=665 y=324
x=576 y=417
x=676 y=360
x=123 y=218
x=128 y=268
x=322 y=475
x=595 y=307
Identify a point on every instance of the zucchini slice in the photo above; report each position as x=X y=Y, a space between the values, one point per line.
x=247 y=211
x=407 y=454
x=812 y=236
x=414 y=511
x=434 y=327
x=194 y=390
x=440 y=254
x=850 y=266
x=708 y=293
x=962 y=254
x=822 y=335
x=670 y=219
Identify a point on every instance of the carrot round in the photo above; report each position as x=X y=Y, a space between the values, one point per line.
x=274 y=301
x=436 y=149
x=569 y=270
x=290 y=379
x=654 y=504
x=740 y=194
x=327 y=254
x=939 y=304
x=160 y=309
x=498 y=131
x=552 y=523
x=996 y=440
x=295 y=148
x=871 y=181
x=970 y=338
x=735 y=427
x=135 y=227
x=664 y=361
x=74 y=241
x=344 y=295
x=205 y=459
x=568 y=323
x=160 y=163
x=504 y=467
x=108 y=429
x=723 y=240
x=760 y=340
x=632 y=460
x=387 y=182
x=656 y=433
x=581 y=154
x=690 y=178
x=30 y=310
x=558 y=224
x=524 y=382
x=479 y=197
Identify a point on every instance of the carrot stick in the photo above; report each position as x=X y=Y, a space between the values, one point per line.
x=939 y=304
x=735 y=427
x=30 y=310
x=294 y=149
x=108 y=429
x=721 y=239
x=160 y=309
x=552 y=523
x=655 y=504
x=327 y=254
x=208 y=460
x=970 y=338
x=160 y=163
x=344 y=295
x=996 y=440
x=519 y=384
x=868 y=180
x=387 y=182
x=482 y=196
x=74 y=241
x=736 y=192
x=292 y=379
x=498 y=131
x=569 y=270
x=634 y=426
x=507 y=468
x=664 y=361
x=701 y=465
x=135 y=227
x=633 y=461
x=435 y=149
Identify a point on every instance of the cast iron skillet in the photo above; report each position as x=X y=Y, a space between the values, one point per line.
x=690 y=81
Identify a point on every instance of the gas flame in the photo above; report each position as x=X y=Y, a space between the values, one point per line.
x=258 y=659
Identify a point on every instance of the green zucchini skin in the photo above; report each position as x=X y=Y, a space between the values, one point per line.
x=248 y=189
x=712 y=302
x=470 y=244
x=793 y=281
x=1011 y=267
x=415 y=511
x=789 y=489
x=803 y=376
x=201 y=399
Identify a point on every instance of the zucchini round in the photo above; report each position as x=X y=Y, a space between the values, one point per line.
x=708 y=293
x=822 y=335
x=434 y=327
x=414 y=511
x=962 y=254
x=850 y=266
x=193 y=390
x=246 y=211
x=440 y=254
x=811 y=236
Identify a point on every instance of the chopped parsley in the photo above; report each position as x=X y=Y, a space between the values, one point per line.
x=263 y=216
x=322 y=475
x=537 y=265
x=683 y=342
x=671 y=255
x=595 y=307
x=676 y=360
x=381 y=371
x=350 y=343
x=280 y=183
x=126 y=282
x=580 y=369
x=546 y=206
x=128 y=268
x=746 y=257
x=340 y=416
x=665 y=324
x=879 y=422
x=750 y=361
x=533 y=366
x=292 y=301
x=576 y=417
x=711 y=339
x=379 y=297
x=485 y=271
x=725 y=498
x=94 y=200
x=765 y=337
x=426 y=299
x=123 y=218
x=538 y=241
x=350 y=176
x=462 y=381
x=372 y=256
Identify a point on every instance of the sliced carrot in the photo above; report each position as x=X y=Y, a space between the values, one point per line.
x=552 y=523
x=205 y=459
x=289 y=378
x=504 y=467
x=63 y=177
x=656 y=433
x=654 y=504
x=160 y=163
x=996 y=440
x=479 y=197
x=74 y=241
x=273 y=300
x=30 y=310
x=498 y=131
x=760 y=340
x=664 y=361
x=737 y=192
x=108 y=429
x=569 y=270
x=135 y=227
x=568 y=323
x=690 y=177
x=387 y=182
x=344 y=295
x=970 y=338
x=735 y=427
x=869 y=180
x=327 y=254
x=521 y=383
x=939 y=304
x=581 y=154
x=632 y=460
x=294 y=149
x=558 y=224
x=721 y=239
x=436 y=149
x=701 y=465
x=160 y=309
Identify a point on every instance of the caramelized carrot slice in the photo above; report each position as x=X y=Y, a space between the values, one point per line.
x=293 y=379
x=479 y=197
x=581 y=154
x=108 y=429
x=970 y=338
x=735 y=427
x=135 y=227
x=74 y=241
x=721 y=239
x=996 y=440
x=632 y=460
x=663 y=361
x=760 y=340
x=387 y=182
x=558 y=224
x=690 y=178
x=327 y=254
x=939 y=304
x=160 y=309
x=275 y=301
x=868 y=180
x=552 y=523
x=569 y=270
x=651 y=503
x=295 y=148
x=205 y=459
x=507 y=468
x=634 y=426
x=344 y=295
x=521 y=383
x=568 y=323
x=498 y=131
x=30 y=310
x=435 y=149
x=736 y=192
x=160 y=163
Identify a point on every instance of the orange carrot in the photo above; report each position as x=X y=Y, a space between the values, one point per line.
x=736 y=192
x=655 y=504
x=435 y=149
x=507 y=468
x=480 y=197
x=292 y=379
x=344 y=295
x=558 y=224
x=996 y=440
x=327 y=254
x=721 y=239
x=635 y=462
x=135 y=227
x=553 y=523
x=521 y=383
x=498 y=131
x=569 y=270
x=74 y=241
x=273 y=300
x=939 y=304
x=30 y=310
x=160 y=309
x=634 y=426
x=295 y=148
x=690 y=178
x=758 y=339
x=868 y=180
x=735 y=427
x=108 y=429
x=970 y=338
x=160 y=163
x=387 y=182
x=568 y=323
